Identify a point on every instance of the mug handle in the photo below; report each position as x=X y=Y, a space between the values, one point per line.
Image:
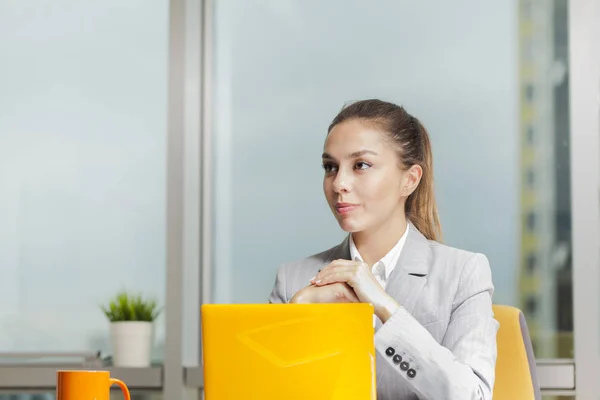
x=122 y=385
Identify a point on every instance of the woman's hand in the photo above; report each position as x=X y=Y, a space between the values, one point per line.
x=359 y=277
x=334 y=293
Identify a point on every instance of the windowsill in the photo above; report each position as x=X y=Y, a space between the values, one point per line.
x=44 y=377
x=554 y=375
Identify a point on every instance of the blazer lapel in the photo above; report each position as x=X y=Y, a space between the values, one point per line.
x=340 y=252
x=410 y=274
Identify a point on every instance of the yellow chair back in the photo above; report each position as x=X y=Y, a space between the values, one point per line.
x=516 y=376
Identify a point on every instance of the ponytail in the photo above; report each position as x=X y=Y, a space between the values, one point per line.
x=421 y=208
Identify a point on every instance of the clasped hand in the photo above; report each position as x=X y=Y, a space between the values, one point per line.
x=346 y=281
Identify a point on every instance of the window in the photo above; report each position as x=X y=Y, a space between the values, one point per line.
x=530 y=135
x=530 y=177
x=279 y=199
x=529 y=93
x=531 y=264
x=82 y=167
x=531 y=221
x=531 y=306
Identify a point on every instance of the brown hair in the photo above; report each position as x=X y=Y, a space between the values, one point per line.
x=414 y=147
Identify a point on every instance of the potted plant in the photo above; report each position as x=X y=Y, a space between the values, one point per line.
x=131 y=329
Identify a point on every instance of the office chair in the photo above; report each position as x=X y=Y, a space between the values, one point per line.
x=516 y=376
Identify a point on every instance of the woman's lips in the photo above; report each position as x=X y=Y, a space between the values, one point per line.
x=345 y=208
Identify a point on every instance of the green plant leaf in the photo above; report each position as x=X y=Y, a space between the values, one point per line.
x=131 y=307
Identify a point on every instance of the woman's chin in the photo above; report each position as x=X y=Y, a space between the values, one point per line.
x=349 y=226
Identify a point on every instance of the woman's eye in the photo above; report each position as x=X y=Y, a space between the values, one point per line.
x=329 y=168
x=362 y=165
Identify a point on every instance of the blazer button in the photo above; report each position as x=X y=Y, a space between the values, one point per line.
x=390 y=351
x=411 y=373
x=404 y=366
x=397 y=359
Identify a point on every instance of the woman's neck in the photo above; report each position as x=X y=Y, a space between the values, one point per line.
x=374 y=244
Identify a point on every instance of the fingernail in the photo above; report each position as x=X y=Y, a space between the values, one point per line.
x=317 y=282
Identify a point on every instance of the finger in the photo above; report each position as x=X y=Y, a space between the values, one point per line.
x=326 y=272
x=344 y=262
x=326 y=268
x=343 y=297
x=314 y=278
x=334 y=265
x=345 y=276
x=340 y=263
x=350 y=295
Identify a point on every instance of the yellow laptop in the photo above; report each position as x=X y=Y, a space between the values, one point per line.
x=288 y=351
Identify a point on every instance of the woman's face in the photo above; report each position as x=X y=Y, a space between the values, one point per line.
x=364 y=184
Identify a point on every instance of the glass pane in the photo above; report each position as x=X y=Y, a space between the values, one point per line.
x=82 y=167
x=492 y=91
x=545 y=274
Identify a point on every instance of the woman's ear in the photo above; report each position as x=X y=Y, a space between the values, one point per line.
x=412 y=177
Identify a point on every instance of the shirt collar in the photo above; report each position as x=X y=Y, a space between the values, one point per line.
x=390 y=260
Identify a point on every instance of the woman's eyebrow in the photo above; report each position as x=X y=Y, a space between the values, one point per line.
x=362 y=153
x=356 y=154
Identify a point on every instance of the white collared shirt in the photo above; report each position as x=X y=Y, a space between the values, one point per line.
x=384 y=267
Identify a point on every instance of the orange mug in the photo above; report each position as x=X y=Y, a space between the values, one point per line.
x=86 y=385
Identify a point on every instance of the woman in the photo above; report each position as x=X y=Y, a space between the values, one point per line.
x=435 y=331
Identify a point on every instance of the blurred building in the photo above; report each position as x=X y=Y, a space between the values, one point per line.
x=545 y=267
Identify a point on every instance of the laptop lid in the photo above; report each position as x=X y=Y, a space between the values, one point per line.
x=288 y=351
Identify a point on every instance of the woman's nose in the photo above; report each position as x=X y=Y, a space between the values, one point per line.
x=341 y=183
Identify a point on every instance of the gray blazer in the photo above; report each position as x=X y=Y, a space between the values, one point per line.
x=444 y=332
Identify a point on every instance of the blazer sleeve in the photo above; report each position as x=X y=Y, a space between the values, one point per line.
x=463 y=365
x=278 y=294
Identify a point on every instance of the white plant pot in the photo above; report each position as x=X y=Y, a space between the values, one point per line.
x=131 y=343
